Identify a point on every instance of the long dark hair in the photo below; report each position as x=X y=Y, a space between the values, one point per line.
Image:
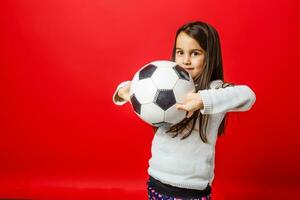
x=208 y=39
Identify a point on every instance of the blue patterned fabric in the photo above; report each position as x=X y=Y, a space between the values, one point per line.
x=154 y=195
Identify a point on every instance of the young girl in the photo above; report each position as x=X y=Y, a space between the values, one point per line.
x=183 y=155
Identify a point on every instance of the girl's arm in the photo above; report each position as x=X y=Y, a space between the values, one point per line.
x=230 y=99
x=213 y=100
x=116 y=98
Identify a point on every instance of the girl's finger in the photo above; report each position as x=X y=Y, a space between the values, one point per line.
x=180 y=107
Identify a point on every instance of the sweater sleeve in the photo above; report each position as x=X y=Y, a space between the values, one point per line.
x=116 y=99
x=230 y=99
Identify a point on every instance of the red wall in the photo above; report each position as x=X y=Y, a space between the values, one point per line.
x=60 y=62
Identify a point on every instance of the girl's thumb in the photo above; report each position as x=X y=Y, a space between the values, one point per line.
x=180 y=107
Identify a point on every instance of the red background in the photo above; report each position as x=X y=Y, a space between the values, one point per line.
x=60 y=62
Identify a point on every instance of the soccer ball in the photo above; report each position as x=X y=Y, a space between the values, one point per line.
x=155 y=90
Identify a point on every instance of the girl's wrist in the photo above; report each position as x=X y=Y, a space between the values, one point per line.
x=199 y=102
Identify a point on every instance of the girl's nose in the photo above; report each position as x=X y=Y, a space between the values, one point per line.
x=187 y=60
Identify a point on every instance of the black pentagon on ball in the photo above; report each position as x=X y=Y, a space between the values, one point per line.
x=181 y=72
x=164 y=99
x=147 y=71
x=163 y=124
x=135 y=104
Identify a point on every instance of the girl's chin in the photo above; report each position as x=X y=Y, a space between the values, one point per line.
x=191 y=73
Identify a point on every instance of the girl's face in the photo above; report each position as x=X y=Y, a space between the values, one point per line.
x=189 y=54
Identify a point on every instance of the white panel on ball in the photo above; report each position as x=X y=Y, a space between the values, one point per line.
x=145 y=91
x=151 y=113
x=164 y=63
x=182 y=85
x=133 y=86
x=160 y=80
x=173 y=115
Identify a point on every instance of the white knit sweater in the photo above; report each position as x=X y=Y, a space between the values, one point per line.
x=189 y=163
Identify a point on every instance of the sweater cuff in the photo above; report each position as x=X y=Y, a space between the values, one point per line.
x=207 y=103
x=116 y=99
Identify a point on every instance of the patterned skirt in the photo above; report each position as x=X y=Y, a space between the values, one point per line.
x=160 y=191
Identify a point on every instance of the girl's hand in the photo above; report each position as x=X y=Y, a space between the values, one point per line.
x=191 y=103
x=123 y=92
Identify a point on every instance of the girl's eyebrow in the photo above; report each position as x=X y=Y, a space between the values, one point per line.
x=191 y=49
x=197 y=50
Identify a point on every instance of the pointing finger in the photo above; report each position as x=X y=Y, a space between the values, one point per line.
x=180 y=107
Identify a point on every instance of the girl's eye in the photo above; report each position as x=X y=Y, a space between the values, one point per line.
x=179 y=52
x=195 y=53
